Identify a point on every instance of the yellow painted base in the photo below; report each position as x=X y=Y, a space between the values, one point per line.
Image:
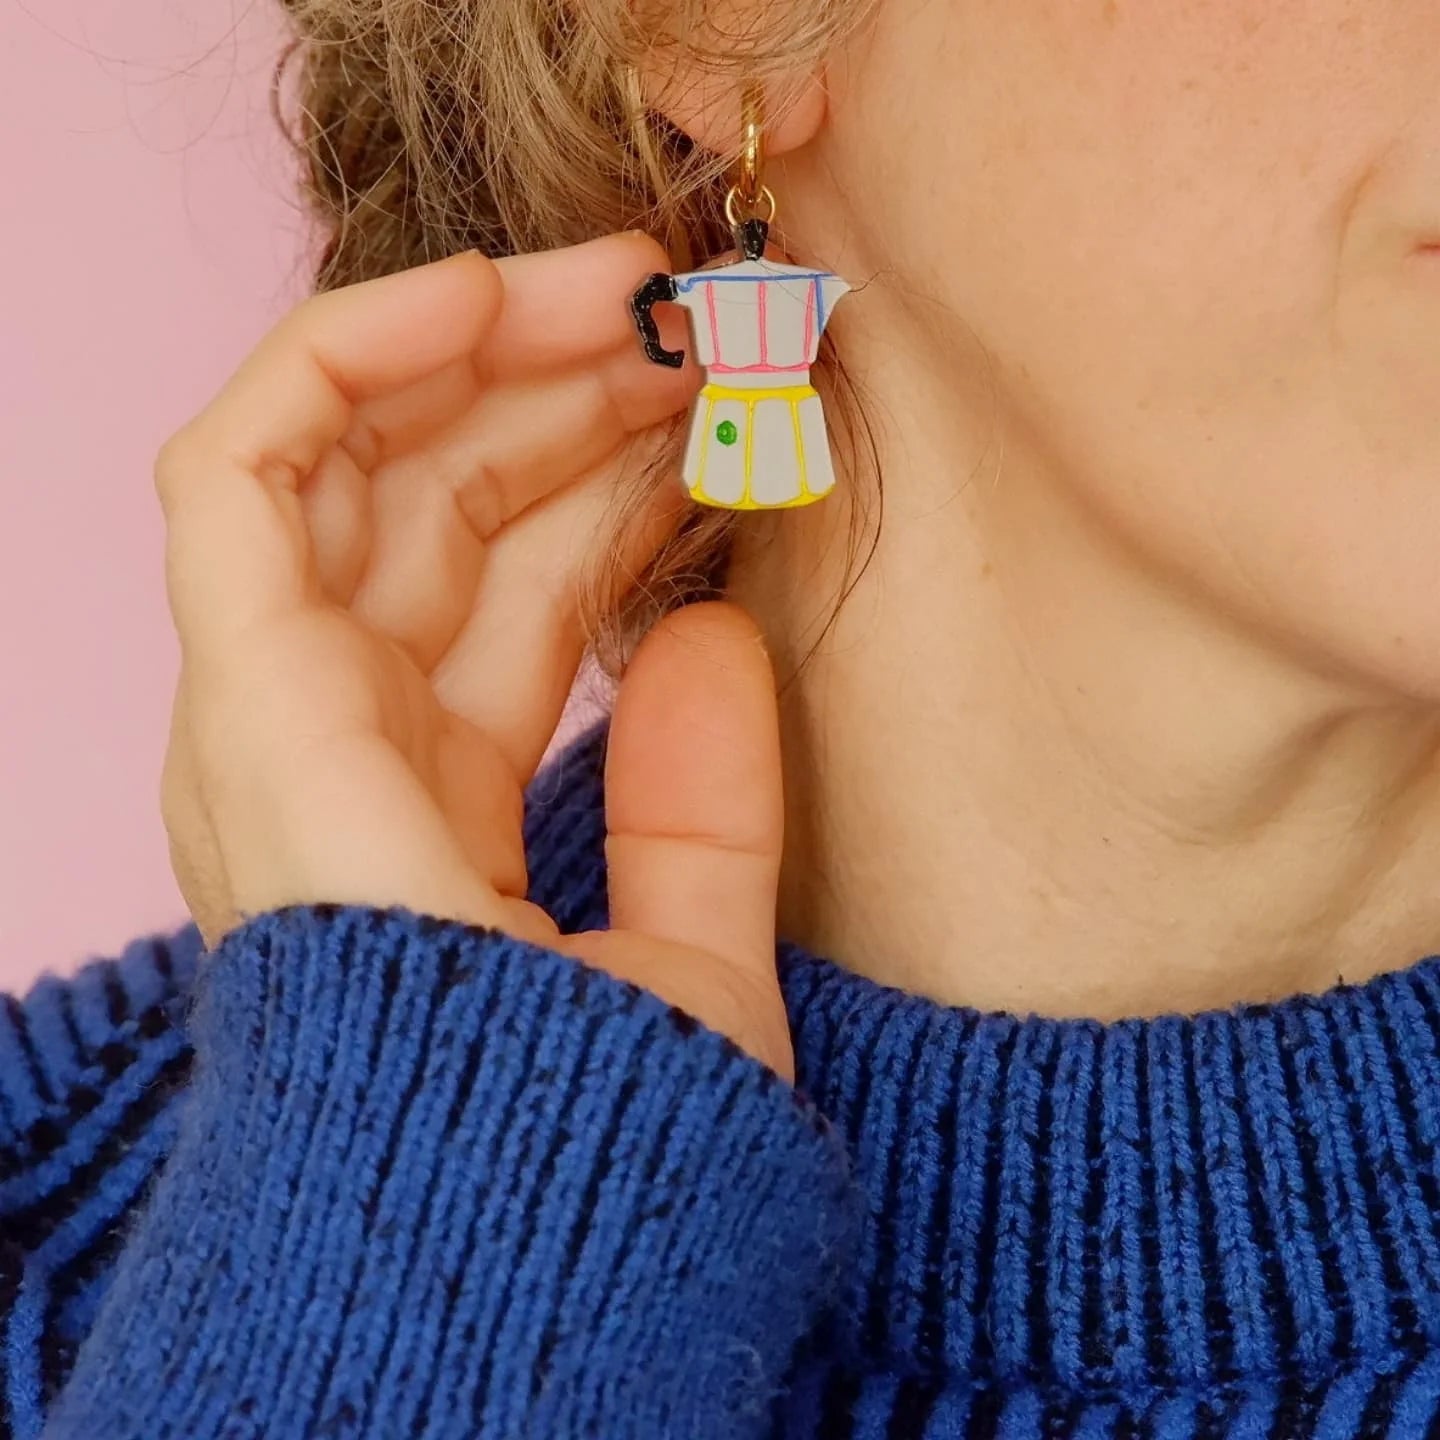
x=749 y=397
x=746 y=503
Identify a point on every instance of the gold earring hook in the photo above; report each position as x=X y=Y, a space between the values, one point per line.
x=752 y=131
x=750 y=193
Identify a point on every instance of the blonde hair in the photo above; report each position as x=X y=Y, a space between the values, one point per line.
x=431 y=126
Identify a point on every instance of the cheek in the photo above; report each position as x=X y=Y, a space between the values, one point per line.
x=1158 y=165
x=1147 y=212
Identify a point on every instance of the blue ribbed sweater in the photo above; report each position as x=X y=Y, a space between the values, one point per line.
x=360 y=1173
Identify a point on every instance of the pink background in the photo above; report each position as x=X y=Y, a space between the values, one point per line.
x=148 y=235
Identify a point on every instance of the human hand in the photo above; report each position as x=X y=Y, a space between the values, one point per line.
x=375 y=534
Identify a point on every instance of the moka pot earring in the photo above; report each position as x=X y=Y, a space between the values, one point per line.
x=757 y=436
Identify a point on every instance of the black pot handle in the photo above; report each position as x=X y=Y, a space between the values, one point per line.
x=656 y=288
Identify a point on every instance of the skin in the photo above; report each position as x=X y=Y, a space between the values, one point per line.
x=372 y=560
x=1135 y=708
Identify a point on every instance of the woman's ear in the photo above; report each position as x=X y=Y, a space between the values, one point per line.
x=705 y=103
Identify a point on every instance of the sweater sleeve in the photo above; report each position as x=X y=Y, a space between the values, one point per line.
x=93 y=1074
x=72 y=1046
x=436 y=1182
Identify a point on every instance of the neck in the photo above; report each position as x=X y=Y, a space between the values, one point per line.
x=1025 y=772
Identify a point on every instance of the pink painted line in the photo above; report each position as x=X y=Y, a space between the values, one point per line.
x=764 y=328
x=714 y=318
x=758 y=369
x=810 y=314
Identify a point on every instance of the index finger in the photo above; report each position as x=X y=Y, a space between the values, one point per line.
x=295 y=395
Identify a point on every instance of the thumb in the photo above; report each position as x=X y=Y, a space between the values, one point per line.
x=693 y=793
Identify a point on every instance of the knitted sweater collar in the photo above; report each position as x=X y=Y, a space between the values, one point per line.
x=1169 y=1204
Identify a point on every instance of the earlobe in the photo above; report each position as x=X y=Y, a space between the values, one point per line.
x=705 y=103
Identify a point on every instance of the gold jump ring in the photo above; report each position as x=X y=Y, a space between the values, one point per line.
x=734 y=199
